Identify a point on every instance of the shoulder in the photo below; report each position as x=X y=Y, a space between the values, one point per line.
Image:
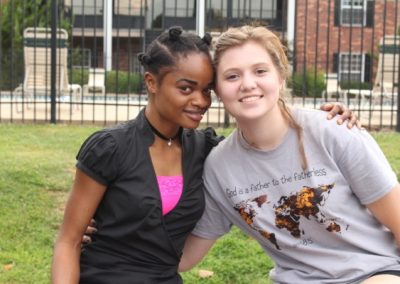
x=337 y=139
x=225 y=148
x=101 y=139
x=206 y=138
x=123 y=130
x=315 y=123
x=107 y=141
x=312 y=117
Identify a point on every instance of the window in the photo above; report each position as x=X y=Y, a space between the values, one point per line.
x=351 y=67
x=185 y=8
x=80 y=57
x=128 y=7
x=87 y=7
x=216 y=9
x=353 y=12
x=265 y=9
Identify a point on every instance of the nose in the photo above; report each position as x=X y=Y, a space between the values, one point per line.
x=248 y=83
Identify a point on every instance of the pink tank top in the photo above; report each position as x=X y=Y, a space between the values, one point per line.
x=170 y=191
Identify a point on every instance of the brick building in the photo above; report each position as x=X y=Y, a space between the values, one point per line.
x=135 y=23
x=343 y=36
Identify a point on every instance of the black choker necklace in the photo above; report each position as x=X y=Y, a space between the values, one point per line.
x=162 y=136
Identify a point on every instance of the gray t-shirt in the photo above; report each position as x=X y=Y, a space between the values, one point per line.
x=312 y=223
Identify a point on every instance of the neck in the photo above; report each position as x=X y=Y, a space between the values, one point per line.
x=168 y=138
x=265 y=133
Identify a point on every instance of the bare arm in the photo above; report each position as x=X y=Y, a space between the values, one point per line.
x=341 y=113
x=84 y=198
x=194 y=251
x=387 y=211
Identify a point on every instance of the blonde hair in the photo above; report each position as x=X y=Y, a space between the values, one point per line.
x=238 y=36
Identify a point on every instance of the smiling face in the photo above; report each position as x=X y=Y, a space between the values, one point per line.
x=183 y=94
x=248 y=83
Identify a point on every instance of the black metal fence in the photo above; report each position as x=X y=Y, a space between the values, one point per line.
x=75 y=61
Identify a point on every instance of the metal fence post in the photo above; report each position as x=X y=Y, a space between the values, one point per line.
x=398 y=95
x=226 y=119
x=53 y=78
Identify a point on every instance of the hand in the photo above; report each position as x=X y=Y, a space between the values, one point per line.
x=336 y=108
x=90 y=230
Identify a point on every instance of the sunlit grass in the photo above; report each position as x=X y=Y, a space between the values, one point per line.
x=37 y=164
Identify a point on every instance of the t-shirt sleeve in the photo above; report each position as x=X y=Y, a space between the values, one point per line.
x=213 y=224
x=98 y=157
x=365 y=167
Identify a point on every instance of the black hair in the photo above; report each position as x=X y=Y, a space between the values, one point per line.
x=168 y=47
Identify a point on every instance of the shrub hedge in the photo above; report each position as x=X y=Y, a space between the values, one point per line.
x=118 y=82
x=310 y=84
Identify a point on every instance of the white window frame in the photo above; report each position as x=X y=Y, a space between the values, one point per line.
x=344 y=71
x=349 y=6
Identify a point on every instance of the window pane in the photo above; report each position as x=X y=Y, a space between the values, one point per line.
x=127 y=7
x=92 y=7
x=181 y=8
x=80 y=57
x=354 y=16
x=265 y=9
x=351 y=66
x=217 y=8
x=353 y=12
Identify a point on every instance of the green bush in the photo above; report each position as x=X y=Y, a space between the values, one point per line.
x=78 y=76
x=310 y=84
x=121 y=82
x=355 y=85
x=118 y=82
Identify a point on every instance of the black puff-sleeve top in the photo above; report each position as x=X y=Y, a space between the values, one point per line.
x=135 y=243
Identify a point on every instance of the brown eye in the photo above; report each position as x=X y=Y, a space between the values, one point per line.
x=185 y=89
x=261 y=71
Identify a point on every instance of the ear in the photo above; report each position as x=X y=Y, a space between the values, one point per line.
x=151 y=82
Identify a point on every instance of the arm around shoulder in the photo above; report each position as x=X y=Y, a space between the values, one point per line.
x=194 y=251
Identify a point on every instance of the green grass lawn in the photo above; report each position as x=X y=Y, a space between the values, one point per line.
x=36 y=171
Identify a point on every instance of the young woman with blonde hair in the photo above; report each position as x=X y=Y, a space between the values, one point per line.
x=322 y=201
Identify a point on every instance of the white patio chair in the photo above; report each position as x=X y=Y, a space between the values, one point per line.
x=37 y=61
x=333 y=90
x=384 y=89
x=96 y=82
